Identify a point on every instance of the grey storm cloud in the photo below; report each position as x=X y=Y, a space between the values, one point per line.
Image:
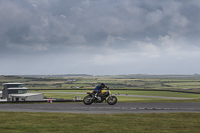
x=123 y=29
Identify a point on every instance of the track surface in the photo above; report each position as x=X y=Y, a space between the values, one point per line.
x=104 y=108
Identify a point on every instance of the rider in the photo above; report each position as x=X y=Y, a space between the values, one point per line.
x=98 y=89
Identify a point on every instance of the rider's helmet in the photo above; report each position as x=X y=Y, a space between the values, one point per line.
x=102 y=85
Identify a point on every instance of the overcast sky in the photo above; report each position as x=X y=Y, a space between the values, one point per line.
x=99 y=37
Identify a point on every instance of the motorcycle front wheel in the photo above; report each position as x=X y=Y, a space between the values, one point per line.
x=112 y=100
x=87 y=100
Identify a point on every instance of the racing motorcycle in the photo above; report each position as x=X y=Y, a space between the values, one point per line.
x=104 y=95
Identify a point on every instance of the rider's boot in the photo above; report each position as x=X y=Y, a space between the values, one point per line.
x=99 y=98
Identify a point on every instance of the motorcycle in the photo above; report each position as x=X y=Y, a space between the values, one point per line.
x=104 y=95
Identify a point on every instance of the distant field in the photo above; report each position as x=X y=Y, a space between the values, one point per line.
x=115 y=82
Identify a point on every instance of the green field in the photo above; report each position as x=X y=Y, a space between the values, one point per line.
x=181 y=83
x=12 y=122
x=122 y=97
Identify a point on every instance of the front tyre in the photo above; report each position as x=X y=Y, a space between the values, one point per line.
x=112 y=100
x=87 y=100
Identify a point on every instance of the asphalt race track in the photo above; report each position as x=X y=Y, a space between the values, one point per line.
x=103 y=108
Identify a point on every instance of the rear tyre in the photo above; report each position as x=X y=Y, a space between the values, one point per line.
x=87 y=100
x=112 y=100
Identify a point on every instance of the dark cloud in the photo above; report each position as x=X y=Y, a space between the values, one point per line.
x=108 y=31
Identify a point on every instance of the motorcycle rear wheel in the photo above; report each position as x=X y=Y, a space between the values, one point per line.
x=87 y=100
x=112 y=100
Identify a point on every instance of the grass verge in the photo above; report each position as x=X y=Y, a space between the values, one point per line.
x=14 y=122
